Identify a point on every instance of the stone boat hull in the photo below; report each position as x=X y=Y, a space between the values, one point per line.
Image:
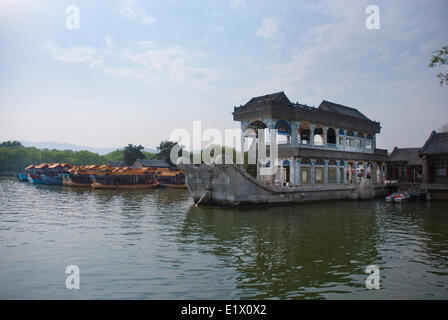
x=229 y=185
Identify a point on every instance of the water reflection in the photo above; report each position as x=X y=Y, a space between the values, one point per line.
x=289 y=251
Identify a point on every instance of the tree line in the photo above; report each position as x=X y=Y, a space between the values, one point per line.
x=14 y=156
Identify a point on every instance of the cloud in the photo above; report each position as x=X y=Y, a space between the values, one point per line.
x=217 y=28
x=90 y=55
x=269 y=29
x=204 y=40
x=109 y=44
x=237 y=3
x=131 y=10
x=73 y=54
x=176 y=62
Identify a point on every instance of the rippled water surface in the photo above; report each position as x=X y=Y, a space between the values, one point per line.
x=154 y=244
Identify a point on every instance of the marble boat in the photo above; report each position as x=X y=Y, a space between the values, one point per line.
x=229 y=185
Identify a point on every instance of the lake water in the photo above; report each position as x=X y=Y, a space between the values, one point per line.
x=154 y=244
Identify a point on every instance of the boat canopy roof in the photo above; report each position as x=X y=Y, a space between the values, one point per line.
x=41 y=166
x=168 y=174
x=59 y=165
x=105 y=169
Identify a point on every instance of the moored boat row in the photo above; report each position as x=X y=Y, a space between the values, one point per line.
x=102 y=177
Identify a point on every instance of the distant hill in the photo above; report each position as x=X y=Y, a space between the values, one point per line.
x=74 y=147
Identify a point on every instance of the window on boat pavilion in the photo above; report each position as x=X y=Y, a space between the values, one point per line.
x=305 y=175
x=332 y=171
x=331 y=136
x=318 y=136
x=319 y=175
x=350 y=142
x=359 y=143
x=332 y=175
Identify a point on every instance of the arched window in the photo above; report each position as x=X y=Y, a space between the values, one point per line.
x=252 y=128
x=284 y=132
x=332 y=171
x=319 y=171
x=283 y=128
x=286 y=170
x=350 y=133
x=360 y=135
x=318 y=136
x=257 y=124
x=305 y=171
x=304 y=133
x=250 y=134
x=331 y=136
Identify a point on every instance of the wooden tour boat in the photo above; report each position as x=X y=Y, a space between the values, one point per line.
x=126 y=178
x=172 y=179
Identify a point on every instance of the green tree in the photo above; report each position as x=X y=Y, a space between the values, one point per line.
x=132 y=153
x=440 y=57
x=11 y=144
x=117 y=155
x=165 y=150
x=148 y=155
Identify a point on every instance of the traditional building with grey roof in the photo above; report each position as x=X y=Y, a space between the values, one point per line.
x=116 y=164
x=332 y=143
x=434 y=155
x=405 y=165
x=152 y=163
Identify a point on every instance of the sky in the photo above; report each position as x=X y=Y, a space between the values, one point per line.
x=136 y=70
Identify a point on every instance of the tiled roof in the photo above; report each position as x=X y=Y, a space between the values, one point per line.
x=341 y=109
x=404 y=155
x=280 y=99
x=116 y=163
x=437 y=143
x=273 y=99
x=153 y=163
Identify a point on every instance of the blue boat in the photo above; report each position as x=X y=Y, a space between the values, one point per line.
x=53 y=181
x=34 y=179
x=22 y=177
